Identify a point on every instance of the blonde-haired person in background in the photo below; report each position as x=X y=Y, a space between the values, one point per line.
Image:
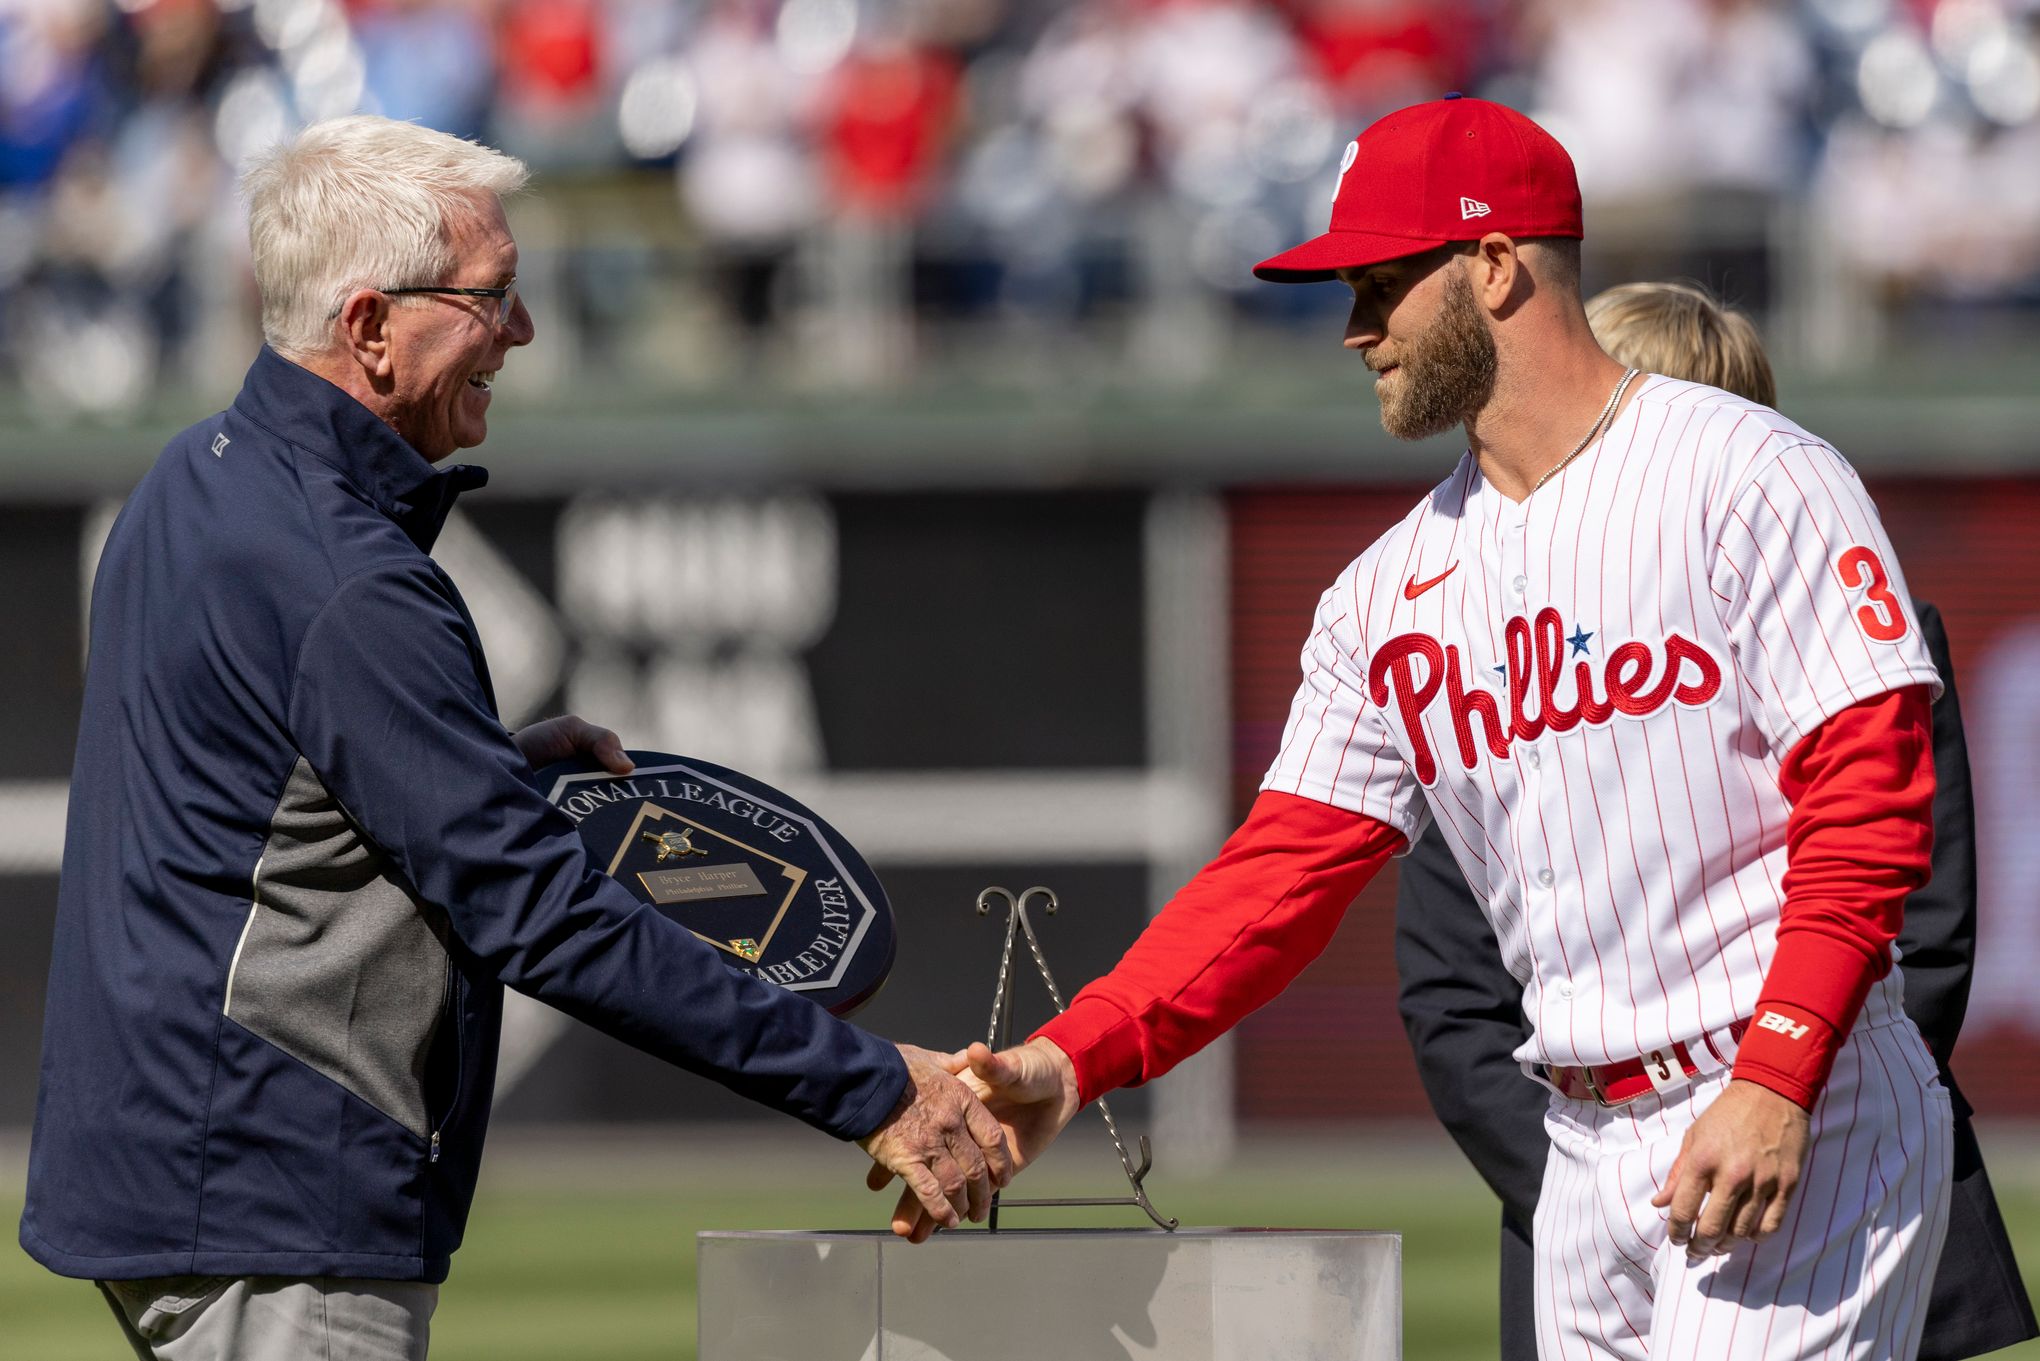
x=1683 y=331
x=1463 y=1010
x=303 y=857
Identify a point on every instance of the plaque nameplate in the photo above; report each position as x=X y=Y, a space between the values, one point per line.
x=709 y=881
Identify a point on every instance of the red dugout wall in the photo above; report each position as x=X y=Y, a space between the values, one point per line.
x=1332 y=1047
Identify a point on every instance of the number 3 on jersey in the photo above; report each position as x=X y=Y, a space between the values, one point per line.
x=1881 y=616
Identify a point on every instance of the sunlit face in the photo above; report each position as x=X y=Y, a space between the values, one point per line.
x=446 y=350
x=1418 y=326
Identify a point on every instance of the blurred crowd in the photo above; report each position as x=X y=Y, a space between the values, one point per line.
x=862 y=187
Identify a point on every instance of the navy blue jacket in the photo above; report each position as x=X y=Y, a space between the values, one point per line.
x=303 y=857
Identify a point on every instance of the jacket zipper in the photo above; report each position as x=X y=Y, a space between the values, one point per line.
x=451 y=1017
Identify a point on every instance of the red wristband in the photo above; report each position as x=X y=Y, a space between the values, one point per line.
x=1788 y=1050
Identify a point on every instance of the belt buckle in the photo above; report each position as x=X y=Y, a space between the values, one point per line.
x=1601 y=1096
x=1594 y=1085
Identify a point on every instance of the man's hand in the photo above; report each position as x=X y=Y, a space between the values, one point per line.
x=943 y=1143
x=1744 y=1156
x=1031 y=1089
x=565 y=737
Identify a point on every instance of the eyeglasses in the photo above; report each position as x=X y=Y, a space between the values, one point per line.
x=506 y=296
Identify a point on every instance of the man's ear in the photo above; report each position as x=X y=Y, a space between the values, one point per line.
x=365 y=334
x=1497 y=272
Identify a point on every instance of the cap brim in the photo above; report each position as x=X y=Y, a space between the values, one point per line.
x=1316 y=259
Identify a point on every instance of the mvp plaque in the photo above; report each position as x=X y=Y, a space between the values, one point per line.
x=746 y=868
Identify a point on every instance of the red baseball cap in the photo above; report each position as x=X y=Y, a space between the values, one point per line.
x=1452 y=169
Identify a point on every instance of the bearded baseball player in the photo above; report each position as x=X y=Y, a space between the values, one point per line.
x=1463 y=1011
x=1648 y=661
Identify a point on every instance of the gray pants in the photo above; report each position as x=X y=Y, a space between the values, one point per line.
x=273 y=1318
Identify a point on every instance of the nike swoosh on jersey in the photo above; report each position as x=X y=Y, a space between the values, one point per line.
x=1414 y=588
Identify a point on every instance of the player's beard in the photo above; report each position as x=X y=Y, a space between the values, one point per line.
x=1444 y=375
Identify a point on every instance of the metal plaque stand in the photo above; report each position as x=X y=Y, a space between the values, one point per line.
x=998 y=1036
x=1071 y=1294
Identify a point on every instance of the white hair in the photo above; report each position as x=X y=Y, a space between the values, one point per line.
x=360 y=202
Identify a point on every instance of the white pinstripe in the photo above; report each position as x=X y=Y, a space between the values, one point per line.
x=1845 y=1277
x=1700 y=521
x=1673 y=614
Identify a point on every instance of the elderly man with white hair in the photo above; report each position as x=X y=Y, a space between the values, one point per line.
x=303 y=855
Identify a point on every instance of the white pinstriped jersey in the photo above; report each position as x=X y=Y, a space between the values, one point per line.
x=1593 y=690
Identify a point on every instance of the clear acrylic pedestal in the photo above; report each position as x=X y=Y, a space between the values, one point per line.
x=1052 y=1295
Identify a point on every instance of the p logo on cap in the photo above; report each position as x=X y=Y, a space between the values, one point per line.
x=1345 y=164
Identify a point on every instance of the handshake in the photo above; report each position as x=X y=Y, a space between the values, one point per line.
x=965 y=1127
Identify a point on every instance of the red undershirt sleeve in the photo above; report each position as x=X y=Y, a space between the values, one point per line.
x=1859 y=840
x=1231 y=939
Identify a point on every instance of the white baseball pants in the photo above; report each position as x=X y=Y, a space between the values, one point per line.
x=1846 y=1276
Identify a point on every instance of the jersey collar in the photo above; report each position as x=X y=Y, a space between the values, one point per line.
x=317 y=418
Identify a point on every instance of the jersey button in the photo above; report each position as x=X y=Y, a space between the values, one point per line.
x=1519 y=583
x=1545 y=877
x=1532 y=757
x=1564 y=988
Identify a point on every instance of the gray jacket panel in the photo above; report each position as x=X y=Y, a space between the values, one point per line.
x=339 y=965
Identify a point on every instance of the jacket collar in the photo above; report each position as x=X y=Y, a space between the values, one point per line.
x=319 y=419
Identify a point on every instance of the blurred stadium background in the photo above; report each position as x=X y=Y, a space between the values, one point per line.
x=904 y=427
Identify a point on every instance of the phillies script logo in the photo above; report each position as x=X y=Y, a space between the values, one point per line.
x=1635 y=679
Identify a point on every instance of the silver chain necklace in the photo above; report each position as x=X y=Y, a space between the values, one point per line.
x=1614 y=400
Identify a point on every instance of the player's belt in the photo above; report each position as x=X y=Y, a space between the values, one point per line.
x=1661 y=1070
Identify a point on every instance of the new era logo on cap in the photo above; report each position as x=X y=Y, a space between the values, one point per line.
x=1472 y=207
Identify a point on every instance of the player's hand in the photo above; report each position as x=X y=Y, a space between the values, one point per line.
x=568 y=736
x=1031 y=1089
x=1743 y=1157
x=943 y=1143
